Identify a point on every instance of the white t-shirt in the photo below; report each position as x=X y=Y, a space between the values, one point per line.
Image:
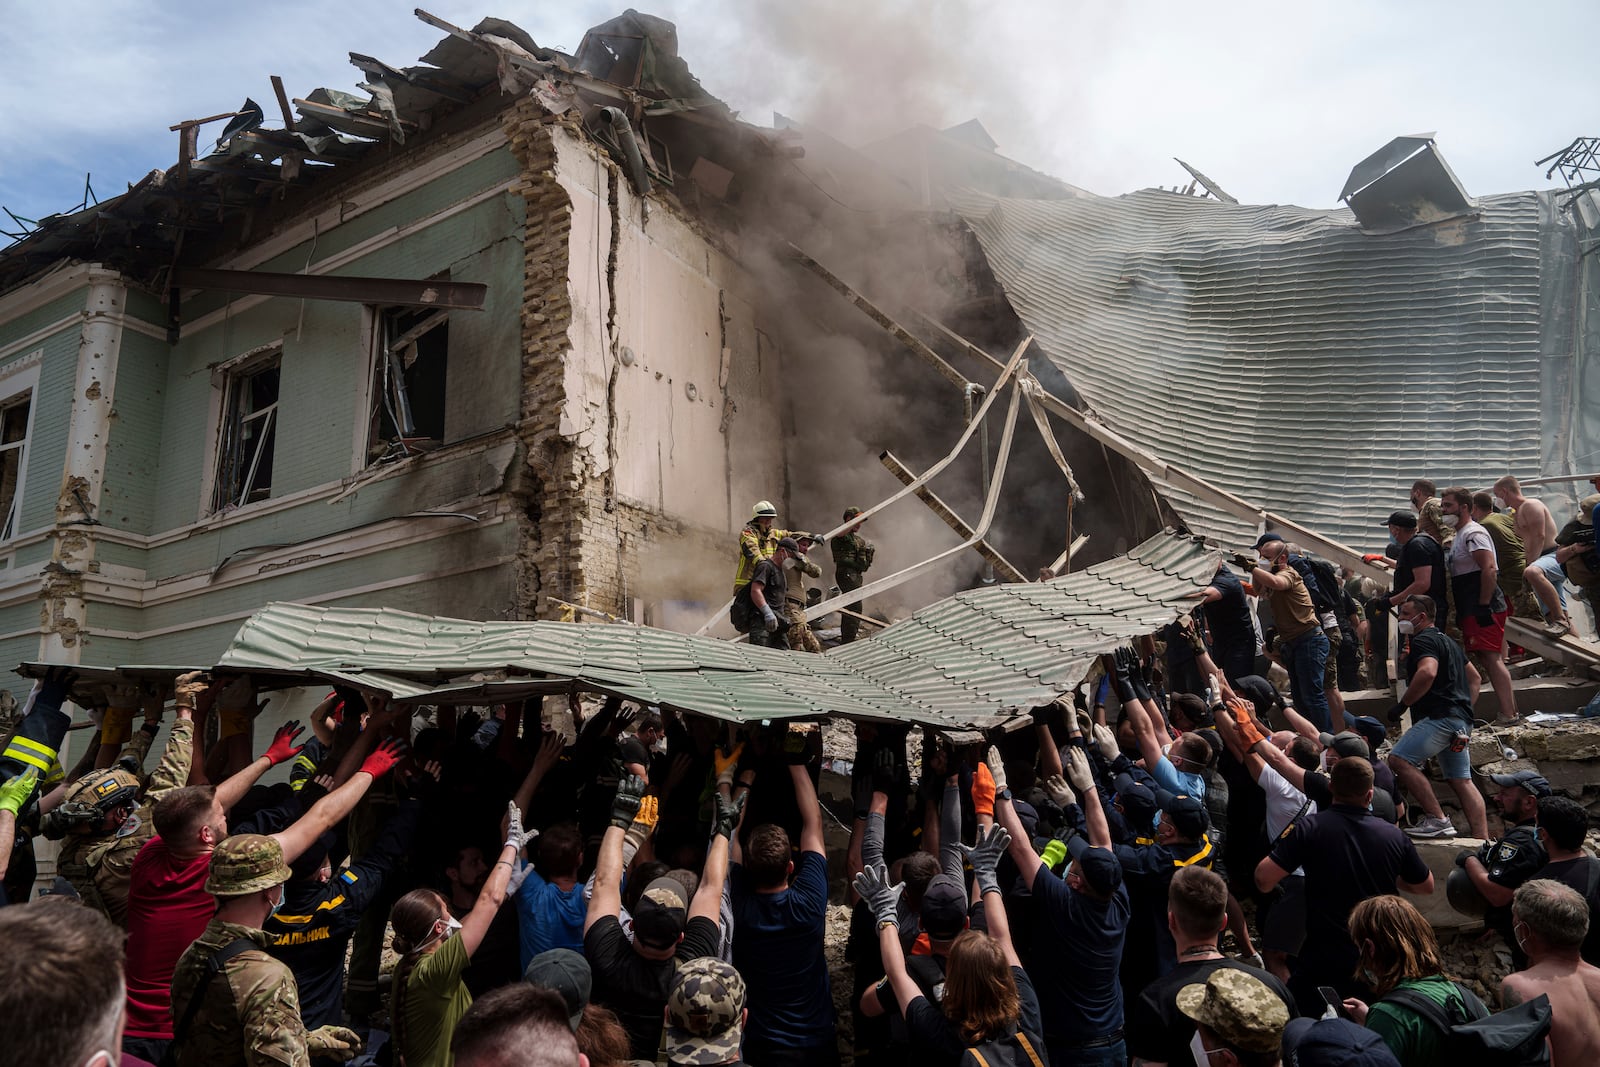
x=1284 y=802
x=1470 y=538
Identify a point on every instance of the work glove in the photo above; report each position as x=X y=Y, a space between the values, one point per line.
x=1484 y=614
x=1463 y=856
x=188 y=687
x=985 y=857
x=1056 y=788
x=283 y=749
x=1054 y=853
x=797 y=747
x=516 y=837
x=625 y=805
x=997 y=770
x=1382 y=603
x=1043 y=715
x=1244 y=562
x=885 y=770
x=14 y=793
x=727 y=763
x=335 y=1042
x=519 y=874
x=381 y=760
x=769 y=619
x=1077 y=769
x=728 y=811
x=649 y=812
x=983 y=791
x=1122 y=675
x=1106 y=741
x=1397 y=711
x=881 y=897
x=1080 y=702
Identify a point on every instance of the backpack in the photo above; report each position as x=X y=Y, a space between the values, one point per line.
x=1014 y=1051
x=1511 y=1038
x=1322 y=582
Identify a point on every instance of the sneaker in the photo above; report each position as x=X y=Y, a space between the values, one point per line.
x=1429 y=826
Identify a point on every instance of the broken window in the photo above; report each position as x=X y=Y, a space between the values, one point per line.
x=408 y=381
x=248 y=432
x=13 y=446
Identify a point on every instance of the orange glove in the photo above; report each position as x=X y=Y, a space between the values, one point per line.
x=1243 y=715
x=983 y=791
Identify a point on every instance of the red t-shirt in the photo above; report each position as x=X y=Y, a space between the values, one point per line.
x=168 y=908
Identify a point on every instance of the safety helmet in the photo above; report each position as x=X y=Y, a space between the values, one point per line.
x=1463 y=895
x=763 y=510
x=101 y=792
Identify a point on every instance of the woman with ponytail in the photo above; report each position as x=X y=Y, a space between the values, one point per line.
x=428 y=997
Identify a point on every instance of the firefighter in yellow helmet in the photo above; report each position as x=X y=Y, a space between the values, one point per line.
x=756 y=542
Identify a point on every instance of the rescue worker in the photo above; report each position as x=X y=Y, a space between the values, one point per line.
x=756 y=542
x=852 y=557
x=755 y=607
x=1499 y=867
x=104 y=819
x=796 y=596
x=234 y=1004
x=34 y=745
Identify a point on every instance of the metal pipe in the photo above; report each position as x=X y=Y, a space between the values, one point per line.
x=630 y=148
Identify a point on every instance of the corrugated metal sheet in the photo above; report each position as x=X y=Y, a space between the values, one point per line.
x=971 y=660
x=1281 y=353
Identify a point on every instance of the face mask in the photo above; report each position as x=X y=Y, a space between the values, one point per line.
x=276 y=904
x=1452 y=521
x=1407 y=626
x=1202 y=1057
x=451 y=925
x=1499 y=502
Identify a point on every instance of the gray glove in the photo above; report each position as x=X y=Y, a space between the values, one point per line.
x=769 y=618
x=1077 y=768
x=985 y=857
x=884 y=899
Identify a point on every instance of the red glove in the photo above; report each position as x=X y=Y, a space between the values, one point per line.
x=381 y=761
x=283 y=748
x=983 y=791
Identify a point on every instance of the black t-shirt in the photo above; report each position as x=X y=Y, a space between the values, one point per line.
x=935 y=1039
x=1320 y=793
x=1348 y=855
x=1157 y=1031
x=774 y=586
x=1421 y=551
x=1582 y=874
x=634 y=987
x=1082 y=940
x=1512 y=860
x=1228 y=619
x=1448 y=695
x=631 y=750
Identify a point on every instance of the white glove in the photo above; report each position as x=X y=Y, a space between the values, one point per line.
x=1059 y=792
x=997 y=770
x=769 y=618
x=1077 y=768
x=1106 y=741
x=519 y=873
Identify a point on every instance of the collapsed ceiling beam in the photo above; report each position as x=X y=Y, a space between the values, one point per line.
x=400 y=292
x=876 y=314
x=1002 y=566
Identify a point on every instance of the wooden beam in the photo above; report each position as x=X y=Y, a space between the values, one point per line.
x=876 y=314
x=283 y=103
x=400 y=291
x=1568 y=650
x=983 y=548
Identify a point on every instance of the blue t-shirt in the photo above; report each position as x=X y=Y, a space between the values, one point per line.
x=549 y=917
x=779 y=952
x=1182 y=783
x=1075 y=973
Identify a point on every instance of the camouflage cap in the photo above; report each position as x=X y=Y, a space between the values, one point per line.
x=705 y=1008
x=244 y=864
x=1238 y=1007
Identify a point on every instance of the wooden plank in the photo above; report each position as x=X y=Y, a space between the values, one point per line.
x=1001 y=565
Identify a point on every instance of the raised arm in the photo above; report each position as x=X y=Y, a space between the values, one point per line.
x=475 y=924
x=282 y=749
x=328 y=812
x=606 y=898
x=985 y=859
x=550 y=749
x=805 y=796
x=707 y=902
x=884 y=900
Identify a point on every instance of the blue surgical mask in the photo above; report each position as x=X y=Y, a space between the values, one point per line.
x=277 y=903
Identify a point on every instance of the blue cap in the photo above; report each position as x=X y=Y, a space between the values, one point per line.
x=1334 y=1043
x=1099 y=866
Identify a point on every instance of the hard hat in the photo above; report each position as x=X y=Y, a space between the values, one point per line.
x=1463 y=895
x=764 y=510
x=244 y=864
x=103 y=791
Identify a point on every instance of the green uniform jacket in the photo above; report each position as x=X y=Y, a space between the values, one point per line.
x=852 y=553
x=251 y=1013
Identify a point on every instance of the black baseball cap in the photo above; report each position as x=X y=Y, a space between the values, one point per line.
x=661 y=914
x=790 y=543
x=1138 y=804
x=1371 y=729
x=566 y=972
x=943 y=914
x=1334 y=1043
x=1266 y=539
x=1098 y=866
x=1347 y=743
x=1187 y=813
x=1403 y=519
x=1532 y=781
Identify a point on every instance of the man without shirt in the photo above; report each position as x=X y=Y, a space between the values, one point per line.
x=1544 y=575
x=1550 y=921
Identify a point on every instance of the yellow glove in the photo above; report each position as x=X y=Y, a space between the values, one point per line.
x=649 y=812
x=116 y=726
x=726 y=764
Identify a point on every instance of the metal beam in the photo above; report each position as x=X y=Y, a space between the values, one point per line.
x=402 y=292
x=1001 y=565
x=876 y=314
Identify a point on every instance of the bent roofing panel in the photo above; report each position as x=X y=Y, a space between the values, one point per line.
x=974 y=659
x=1281 y=353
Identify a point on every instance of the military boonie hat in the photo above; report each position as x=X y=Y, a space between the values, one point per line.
x=1237 y=1007
x=704 y=1009
x=244 y=864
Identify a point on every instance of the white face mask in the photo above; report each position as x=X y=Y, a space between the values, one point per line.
x=1452 y=521
x=1202 y=1057
x=1407 y=626
x=1499 y=502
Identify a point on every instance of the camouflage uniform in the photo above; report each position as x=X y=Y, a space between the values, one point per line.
x=799 y=634
x=852 y=557
x=99 y=866
x=754 y=546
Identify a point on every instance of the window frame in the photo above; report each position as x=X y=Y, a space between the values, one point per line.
x=225 y=378
x=21 y=377
x=377 y=346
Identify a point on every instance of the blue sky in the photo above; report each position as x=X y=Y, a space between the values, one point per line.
x=1274 y=101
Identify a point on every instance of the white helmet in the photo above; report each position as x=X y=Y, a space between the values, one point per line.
x=764 y=510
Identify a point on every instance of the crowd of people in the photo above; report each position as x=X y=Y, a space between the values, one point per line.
x=1178 y=863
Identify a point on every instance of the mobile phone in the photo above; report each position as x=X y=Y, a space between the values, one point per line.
x=1330 y=996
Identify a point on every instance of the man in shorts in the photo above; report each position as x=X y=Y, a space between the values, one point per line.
x=1437 y=697
x=1481 y=607
x=1544 y=574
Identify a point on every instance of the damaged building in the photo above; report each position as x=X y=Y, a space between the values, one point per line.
x=513 y=333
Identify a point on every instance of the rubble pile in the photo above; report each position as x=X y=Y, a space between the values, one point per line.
x=1566 y=753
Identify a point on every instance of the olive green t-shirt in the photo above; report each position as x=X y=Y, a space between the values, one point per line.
x=1414 y=1041
x=436 y=999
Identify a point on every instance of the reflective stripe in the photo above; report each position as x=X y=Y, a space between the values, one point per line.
x=1203 y=853
x=28 y=742
x=30 y=759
